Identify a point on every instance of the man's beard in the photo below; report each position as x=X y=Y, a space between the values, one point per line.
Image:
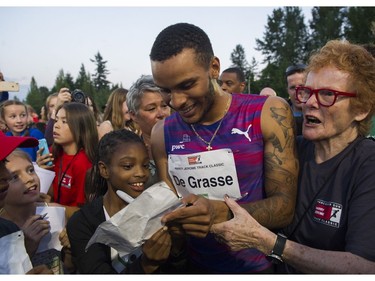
x=209 y=99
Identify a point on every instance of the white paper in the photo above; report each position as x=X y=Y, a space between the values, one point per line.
x=46 y=178
x=133 y=225
x=13 y=256
x=56 y=217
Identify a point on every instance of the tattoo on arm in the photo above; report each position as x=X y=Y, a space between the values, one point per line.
x=281 y=173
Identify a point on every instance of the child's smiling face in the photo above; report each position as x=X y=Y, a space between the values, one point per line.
x=128 y=170
x=15 y=117
x=24 y=186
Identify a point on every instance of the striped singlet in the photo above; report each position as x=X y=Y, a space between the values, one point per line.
x=241 y=132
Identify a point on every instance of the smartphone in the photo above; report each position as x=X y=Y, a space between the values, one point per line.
x=6 y=86
x=43 y=144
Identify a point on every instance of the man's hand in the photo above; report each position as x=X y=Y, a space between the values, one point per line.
x=196 y=218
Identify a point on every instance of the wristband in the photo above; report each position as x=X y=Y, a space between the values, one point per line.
x=278 y=249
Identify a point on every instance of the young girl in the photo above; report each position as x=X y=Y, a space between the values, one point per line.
x=15 y=115
x=75 y=141
x=90 y=102
x=20 y=207
x=121 y=164
x=116 y=115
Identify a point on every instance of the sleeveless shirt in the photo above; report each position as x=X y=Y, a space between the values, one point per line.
x=241 y=132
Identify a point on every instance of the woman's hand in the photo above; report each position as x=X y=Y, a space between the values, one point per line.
x=243 y=231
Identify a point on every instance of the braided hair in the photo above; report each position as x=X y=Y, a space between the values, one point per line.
x=96 y=185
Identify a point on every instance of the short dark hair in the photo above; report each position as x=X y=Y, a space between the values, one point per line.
x=175 y=38
x=370 y=47
x=238 y=71
x=291 y=69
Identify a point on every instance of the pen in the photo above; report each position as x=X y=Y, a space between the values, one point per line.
x=124 y=196
x=43 y=216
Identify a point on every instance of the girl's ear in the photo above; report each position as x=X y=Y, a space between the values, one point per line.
x=103 y=170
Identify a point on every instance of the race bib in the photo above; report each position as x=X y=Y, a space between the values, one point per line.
x=211 y=174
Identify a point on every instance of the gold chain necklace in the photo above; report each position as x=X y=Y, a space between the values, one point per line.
x=209 y=147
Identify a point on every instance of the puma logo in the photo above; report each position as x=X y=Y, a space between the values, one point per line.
x=245 y=133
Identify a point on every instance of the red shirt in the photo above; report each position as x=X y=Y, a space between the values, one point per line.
x=70 y=175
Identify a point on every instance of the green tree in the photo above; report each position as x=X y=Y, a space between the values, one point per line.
x=100 y=76
x=359 y=24
x=101 y=84
x=238 y=58
x=34 y=97
x=284 y=43
x=44 y=92
x=251 y=73
x=84 y=82
x=326 y=24
x=69 y=81
x=63 y=81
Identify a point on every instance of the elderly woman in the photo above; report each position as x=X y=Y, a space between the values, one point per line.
x=333 y=228
x=146 y=107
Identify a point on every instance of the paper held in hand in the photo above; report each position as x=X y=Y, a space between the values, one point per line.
x=129 y=228
x=46 y=178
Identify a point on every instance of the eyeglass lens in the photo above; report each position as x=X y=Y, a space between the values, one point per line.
x=324 y=97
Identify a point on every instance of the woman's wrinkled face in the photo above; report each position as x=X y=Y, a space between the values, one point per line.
x=152 y=109
x=336 y=121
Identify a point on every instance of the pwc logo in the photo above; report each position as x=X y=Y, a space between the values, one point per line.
x=178 y=147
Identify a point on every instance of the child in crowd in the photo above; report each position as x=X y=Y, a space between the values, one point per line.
x=116 y=114
x=20 y=207
x=122 y=163
x=15 y=251
x=90 y=102
x=15 y=115
x=75 y=139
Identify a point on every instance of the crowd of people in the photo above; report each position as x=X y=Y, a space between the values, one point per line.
x=266 y=185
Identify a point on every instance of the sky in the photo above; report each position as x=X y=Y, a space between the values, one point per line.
x=38 y=41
